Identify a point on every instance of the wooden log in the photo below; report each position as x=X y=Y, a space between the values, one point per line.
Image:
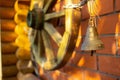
x=5 y=3
x=25 y=66
x=22 y=5
x=8 y=25
x=18 y=18
x=7 y=13
x=23 y=54
x=9 y=59
x=9 y=71
x=28 y=76
x=10 y=78
x=8 y=36
x=23 y=42
x=24 y=2
x=22 y=29
x=8 y=48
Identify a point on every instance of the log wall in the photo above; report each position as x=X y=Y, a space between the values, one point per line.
x=8 y=37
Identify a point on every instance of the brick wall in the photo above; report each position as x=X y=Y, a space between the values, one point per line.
x=104 y=64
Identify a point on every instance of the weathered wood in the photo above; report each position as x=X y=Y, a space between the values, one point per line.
x=54 y=15
x=23 y=54
x=24 y=2
x=8 y=25
x=10 y=78
x=9 y=71
x=5 y=3
x=9 y=59
x=25 y=66
x=8 y=48
x=48 y=46
x=66 y=43
x=7 y=13
x=8 y=36
x=56 y=36
x=47 y=5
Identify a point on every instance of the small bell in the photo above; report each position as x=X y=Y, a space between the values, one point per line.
x=92 y=42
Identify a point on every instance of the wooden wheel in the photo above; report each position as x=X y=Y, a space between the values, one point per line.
x=43 y=31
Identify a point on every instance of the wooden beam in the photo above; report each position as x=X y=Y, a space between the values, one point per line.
x=7 y=13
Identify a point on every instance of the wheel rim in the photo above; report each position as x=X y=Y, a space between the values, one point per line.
x=40 y=39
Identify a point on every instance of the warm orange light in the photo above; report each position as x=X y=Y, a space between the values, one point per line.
x=91 y=76
x=23 y=42
x=118 y=30
x=79 y=39
x=81 y=62
x=22 y=29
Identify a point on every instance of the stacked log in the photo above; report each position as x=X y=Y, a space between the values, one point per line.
x=8 y=37
x=24 y=64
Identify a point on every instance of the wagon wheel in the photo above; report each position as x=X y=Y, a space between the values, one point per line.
x=43 y=31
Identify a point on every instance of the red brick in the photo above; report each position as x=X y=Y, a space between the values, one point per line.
x=92 y=75
x=109 y=45
x=109 y=24
x=73 y=72
x=109 y=64
x=104 y=6
x=117 y=6
x=106 y=77
x=82 y=31
x=84 y=12
x=100 y=8
x=83 y=28
x=84 y=60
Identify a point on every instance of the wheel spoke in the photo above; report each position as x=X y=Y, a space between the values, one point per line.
x=63 y=48
x=54 y=15
x=41 y=50
x=56 y=36
x=48 y=46
x=47 y=5
x=32 y=35
x=38 y=48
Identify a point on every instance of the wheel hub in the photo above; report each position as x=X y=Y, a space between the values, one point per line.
x=35 y=19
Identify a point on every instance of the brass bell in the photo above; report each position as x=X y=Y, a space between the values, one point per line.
x=92 y=42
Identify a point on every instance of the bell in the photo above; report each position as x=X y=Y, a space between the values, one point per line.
x=92 y=42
